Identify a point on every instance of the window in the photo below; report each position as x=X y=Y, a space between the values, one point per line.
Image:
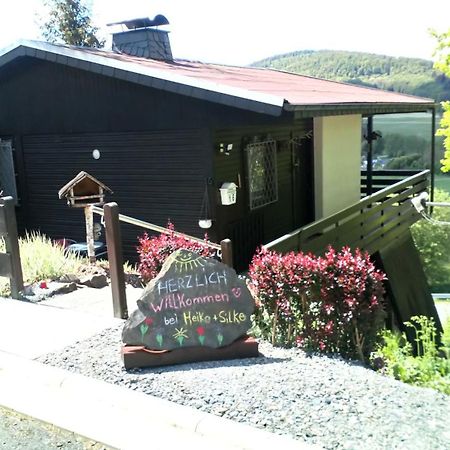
x=262 y=173
x=7 y=172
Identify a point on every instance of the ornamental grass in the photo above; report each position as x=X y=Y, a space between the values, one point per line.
x=42 y=259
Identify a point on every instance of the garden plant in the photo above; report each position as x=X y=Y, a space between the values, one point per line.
x=42 y=259
x=331 y=304
x=433 y=243
x=153 y=251
x=421 y=364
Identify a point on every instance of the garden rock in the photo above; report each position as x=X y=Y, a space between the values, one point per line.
x=61 y=288
x=135 y=280
x=36 y=293
x=194 y=301
x=93 y=276
x=69 y=278
x=96 y=281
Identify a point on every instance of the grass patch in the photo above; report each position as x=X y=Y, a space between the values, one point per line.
x=42 y=259
x=442 y=182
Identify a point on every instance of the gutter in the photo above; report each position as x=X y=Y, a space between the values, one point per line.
x=302 y=111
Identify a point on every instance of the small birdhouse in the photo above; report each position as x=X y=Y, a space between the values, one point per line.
x=84 y=190
x=228 y=193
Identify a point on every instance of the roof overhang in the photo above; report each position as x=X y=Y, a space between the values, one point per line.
x=150 y=77
x=236 y=97
x=365 y=109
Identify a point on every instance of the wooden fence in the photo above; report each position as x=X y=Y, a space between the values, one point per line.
x=369 y=224
x=380 y=225
x=10 y=266
x=381 y=179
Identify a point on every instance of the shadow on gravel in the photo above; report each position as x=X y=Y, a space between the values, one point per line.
x=204 y=365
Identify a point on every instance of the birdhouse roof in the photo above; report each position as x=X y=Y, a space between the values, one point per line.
x=63 y=192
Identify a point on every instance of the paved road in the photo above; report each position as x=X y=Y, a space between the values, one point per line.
x=19 y=432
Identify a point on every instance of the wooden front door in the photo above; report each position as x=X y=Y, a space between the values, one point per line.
x=303 y=181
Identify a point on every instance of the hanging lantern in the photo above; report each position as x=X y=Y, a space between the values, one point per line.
x=204 y=221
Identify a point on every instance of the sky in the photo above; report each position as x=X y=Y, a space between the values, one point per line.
x=239 y=32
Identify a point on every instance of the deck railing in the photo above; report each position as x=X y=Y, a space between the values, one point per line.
x=384 y=178
x=369 y=224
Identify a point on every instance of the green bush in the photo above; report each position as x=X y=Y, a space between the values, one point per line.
x=42 y=259
x=422 y=365
x=433 y=242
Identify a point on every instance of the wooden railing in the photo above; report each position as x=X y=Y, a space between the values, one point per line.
x=110 y=212
x=10 y=265
x=384 y=178
x=369 y=224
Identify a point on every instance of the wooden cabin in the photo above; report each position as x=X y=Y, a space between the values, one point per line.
x=165 y=134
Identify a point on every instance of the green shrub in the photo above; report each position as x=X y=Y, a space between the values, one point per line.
x=433 y=243
x=421 y=365
x=42 y=259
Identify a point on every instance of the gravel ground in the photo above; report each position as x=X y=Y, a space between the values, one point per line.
x=321 y=400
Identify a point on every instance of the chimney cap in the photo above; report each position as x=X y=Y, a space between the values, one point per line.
x=143 y=22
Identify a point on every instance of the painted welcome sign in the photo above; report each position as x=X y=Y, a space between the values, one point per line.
x=194 y=301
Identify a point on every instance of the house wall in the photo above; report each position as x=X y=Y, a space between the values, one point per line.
x=157 y=148
x=250 y=228
x=337 y=153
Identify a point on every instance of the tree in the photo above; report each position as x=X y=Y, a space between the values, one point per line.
x=70 y=22
x=433 y=240
x=443 y=64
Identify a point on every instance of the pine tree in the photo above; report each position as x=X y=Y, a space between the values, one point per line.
x=69 y=22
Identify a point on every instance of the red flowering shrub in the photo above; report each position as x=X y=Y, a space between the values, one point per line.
x=328 y=304
x=153 y=251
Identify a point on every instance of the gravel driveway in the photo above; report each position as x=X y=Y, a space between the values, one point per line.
x=322 y=400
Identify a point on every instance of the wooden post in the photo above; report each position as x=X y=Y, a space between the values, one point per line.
x=12 y=246
x=114 y=244
x=227 y=252
x=89 y=217
x=369 y=169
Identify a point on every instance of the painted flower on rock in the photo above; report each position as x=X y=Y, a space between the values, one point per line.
x=180 y=335
x=145 y=325
x=201 y=335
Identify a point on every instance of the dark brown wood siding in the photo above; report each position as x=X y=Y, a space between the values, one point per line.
x=58 y=114
x=155 y=177
x=249 y=229
x=40 y=97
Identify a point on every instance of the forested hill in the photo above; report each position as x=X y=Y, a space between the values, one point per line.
x=408 y=75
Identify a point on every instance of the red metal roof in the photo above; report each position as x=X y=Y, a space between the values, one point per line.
x=264 y=91
x=295 y=89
